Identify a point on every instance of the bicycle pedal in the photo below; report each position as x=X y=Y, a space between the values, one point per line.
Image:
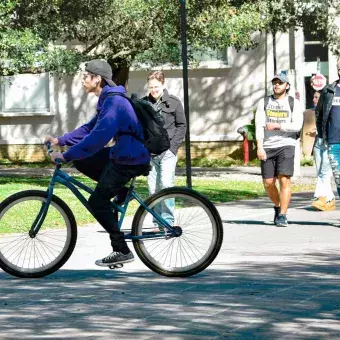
x=116 y=266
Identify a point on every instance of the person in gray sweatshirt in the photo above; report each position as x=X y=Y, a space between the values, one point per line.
x=278 y=121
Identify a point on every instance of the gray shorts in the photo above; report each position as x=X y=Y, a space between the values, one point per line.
x=280 y=161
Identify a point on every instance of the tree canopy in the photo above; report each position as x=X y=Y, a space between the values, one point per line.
x=56 y=35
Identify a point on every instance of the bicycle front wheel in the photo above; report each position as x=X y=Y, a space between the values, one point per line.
x=200 y=239
x=23 y=256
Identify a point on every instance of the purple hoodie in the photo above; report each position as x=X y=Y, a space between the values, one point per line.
x=114 y=115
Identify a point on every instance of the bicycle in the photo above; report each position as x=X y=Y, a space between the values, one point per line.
x=177 y=243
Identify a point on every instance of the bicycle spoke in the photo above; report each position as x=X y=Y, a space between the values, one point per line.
x=32 y=255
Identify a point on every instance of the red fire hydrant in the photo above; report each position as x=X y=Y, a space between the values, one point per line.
x=244 y=132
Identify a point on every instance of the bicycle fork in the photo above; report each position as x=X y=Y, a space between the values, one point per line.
x=39 y=220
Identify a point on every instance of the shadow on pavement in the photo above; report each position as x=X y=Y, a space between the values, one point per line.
x=297 y=298
x=270 y=224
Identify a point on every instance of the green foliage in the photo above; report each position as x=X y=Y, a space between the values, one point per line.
x=228 y=25
x=316 y=17
x=56 y=35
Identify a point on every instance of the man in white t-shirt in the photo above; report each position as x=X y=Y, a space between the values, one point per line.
x=278 y=121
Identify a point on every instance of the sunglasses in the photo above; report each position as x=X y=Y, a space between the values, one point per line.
x=277 y=82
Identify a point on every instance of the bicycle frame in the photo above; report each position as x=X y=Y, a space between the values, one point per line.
x=71 y=183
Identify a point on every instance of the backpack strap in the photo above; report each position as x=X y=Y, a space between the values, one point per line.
x=290 y=99
x=266 y=101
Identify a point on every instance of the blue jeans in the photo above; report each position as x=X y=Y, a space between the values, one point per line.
x=161 y=176
x=334 y=159
x=323 y=171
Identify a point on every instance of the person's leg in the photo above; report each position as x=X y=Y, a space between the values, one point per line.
x=325 y=197
x=285 y=170
x=285 y=193
x=153 y=182
x=317 y=152
x=161 y=176
x=334 y=160
x=326 y=175
x=268 y=171
x=112 y=179
x=272 y=191
x=108 y=185
x=93 y=166
x=153 y=177
x=167 y=180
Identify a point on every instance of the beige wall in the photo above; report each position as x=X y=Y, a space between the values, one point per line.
x=221 y=99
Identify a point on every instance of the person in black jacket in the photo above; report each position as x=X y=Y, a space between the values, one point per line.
x=162 y=174
x=328 y=124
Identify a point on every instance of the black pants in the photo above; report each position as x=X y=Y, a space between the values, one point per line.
x=111 y=177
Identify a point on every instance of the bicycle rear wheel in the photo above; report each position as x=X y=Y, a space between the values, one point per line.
x=201 y=233
x=23 y=256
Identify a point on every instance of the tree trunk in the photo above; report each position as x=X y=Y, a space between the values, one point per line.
x=120 y=74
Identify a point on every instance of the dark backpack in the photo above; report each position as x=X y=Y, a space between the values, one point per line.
x=156 y=138
x=291 y=105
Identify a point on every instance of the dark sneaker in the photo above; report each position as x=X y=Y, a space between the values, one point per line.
x=281 y=221
x=276 y=213
x=115 y=257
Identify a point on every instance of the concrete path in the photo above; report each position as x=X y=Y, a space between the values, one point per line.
x=306 y=171
x=266 y=283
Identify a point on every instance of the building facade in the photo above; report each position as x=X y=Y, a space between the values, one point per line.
x=223 y=93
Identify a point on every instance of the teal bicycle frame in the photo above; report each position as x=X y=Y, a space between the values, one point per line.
x=70 y=182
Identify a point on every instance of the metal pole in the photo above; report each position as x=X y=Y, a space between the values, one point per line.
x=185 y=89
x=274 y=51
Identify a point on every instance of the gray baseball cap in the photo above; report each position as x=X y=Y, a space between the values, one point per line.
x=281 y=77
x=101 y=68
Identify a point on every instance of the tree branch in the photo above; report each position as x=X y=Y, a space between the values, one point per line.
x=122 y=53
x=96 y=43
x=101 y=39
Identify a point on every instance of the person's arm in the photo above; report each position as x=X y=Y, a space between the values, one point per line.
x=319 y=114
x=181 y=126
x=75 y=136
x=103 y=131
x=260 y=123
x=297 y=119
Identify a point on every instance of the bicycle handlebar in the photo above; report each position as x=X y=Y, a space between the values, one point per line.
x=50 y=150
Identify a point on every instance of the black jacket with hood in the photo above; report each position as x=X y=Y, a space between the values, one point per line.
x=323 y=109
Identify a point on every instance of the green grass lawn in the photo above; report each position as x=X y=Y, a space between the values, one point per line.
x=217 y=190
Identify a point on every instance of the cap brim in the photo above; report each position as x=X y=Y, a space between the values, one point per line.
x=110 y=82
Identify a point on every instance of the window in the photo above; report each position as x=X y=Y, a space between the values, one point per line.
x=210 y=58
x=25 y=95
x=314 y=49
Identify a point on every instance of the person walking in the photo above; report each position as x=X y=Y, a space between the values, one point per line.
x=324 y=199
x=112 y=167
x=278 y=121
x=328 y=124
x=163 y=166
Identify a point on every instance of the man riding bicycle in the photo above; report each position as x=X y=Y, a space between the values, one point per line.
x=112 y=167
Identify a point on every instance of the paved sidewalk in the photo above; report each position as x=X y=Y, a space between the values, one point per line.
x=308 y=171
x=266 y=283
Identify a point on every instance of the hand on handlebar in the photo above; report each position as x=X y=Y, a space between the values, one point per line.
x=52 y=140
x=57 y=155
